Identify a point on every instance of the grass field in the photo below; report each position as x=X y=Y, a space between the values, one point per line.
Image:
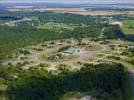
x=93 y=48
x=128 y=27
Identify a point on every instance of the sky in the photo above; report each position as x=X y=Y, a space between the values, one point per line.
x=66 y=1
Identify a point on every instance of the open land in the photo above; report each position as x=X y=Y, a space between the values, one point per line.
x=81 y=11
x=90 y=52
x=57 y=51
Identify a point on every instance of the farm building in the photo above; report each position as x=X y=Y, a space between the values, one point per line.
x=72 y=50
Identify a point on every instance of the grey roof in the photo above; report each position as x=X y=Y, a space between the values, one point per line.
x=71 y=50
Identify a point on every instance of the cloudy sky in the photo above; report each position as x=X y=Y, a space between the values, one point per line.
x=67 y=1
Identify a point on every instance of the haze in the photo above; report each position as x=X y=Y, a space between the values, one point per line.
x=67 y=1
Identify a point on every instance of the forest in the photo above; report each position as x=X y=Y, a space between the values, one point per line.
x=105 y=82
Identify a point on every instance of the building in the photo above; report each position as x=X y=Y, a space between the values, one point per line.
x=71 y=50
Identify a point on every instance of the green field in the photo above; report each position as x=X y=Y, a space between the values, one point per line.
x=93 y=48
x=128 y=26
